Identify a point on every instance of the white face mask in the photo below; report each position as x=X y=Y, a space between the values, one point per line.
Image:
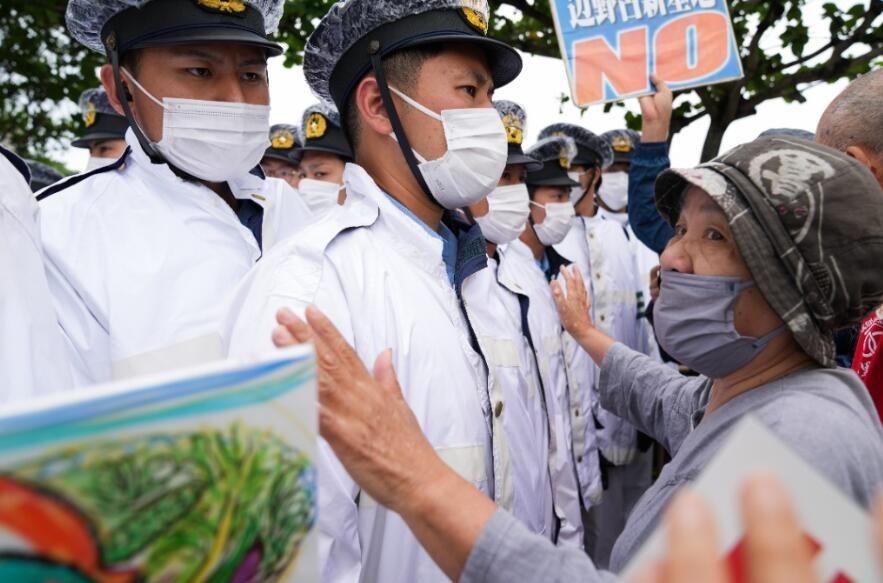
x=215 y=141
x=319 y=195
x=556 y=225
x=95 y=163
x=476 y=156
x=507 y=217
x=577 y=192
x=614 y=191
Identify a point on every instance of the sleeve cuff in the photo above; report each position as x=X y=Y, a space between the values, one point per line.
x=651 y=150
x=484 y=553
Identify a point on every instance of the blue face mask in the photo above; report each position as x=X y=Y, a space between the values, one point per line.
x=694 y=321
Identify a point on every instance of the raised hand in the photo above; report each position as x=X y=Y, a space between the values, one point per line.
x=572 y=301
x=656 y=111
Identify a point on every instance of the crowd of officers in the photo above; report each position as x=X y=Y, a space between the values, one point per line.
x=427 y=229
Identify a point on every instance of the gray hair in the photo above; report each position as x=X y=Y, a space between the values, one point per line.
x=855 y=117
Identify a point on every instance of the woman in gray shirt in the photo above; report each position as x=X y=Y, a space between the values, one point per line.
x=769 y=256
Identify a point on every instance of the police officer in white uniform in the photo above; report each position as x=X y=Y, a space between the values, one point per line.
x=600 y=248
x=324 y=154
x=613 y=198
x=413 y=81
x=32 y=356
x=528 y=263
x=143 y=253
x=104 y=130
x=282 y=160
x=499 y=316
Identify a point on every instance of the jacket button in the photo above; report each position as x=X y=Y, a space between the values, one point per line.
x=498 y=410
x=579 y=460
x=576 y=412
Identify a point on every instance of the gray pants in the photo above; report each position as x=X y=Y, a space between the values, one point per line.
x=606 y=521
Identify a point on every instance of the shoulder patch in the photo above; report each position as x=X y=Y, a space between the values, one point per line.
x=65 y=184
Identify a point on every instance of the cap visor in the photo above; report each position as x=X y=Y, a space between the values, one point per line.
x=325 y=150
x=213 y=35
x=552 y=181
x=87 y=140
x=673 y=183
x=532 y=164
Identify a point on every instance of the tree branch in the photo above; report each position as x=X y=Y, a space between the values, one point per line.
x=532 y=11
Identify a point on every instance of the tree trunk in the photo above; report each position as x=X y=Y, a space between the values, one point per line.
x=713 y=140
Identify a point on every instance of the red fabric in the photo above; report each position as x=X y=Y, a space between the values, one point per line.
x=868 y=362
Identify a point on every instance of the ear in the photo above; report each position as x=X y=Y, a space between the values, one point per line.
x=110 y=86
x=369 y=103
x=868 y=160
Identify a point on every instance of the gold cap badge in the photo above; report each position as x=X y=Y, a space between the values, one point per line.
x=282 y=140
x=475 y=18
x=226 y=6
x=622 y=144
x=317 y=125
x=90 y=114
x=514 y=129
x=564 y=159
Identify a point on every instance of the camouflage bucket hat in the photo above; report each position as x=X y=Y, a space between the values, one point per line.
x=808 y=221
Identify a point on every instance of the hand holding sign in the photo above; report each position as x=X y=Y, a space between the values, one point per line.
x=772 y=539
x=611 y=47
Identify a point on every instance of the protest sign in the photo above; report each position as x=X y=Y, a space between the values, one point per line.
x=839 y=533
x=610 y=47
x=205 y=475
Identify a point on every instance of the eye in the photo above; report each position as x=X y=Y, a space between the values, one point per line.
x=199 y=71
x=680 y=230
x=320 y=175
x=252 y=77
x=506 y=176
x=472 y=90
x=714 y=235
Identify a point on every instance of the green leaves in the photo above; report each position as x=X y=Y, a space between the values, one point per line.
x=785 y=46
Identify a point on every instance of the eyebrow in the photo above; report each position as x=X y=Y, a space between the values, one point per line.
x=200 y=54
x=213 y=58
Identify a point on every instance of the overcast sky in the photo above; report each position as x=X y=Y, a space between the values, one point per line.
x=542 y=83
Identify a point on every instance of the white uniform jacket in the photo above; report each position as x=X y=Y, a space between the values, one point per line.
x=581 y=379
x=380 y=277
x=605 y=256
x=520 y=271
x=142 y=264
x=522 y=483
x=32 y=353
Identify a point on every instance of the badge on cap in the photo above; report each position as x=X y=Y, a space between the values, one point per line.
x=90 y=114
x=475 y=15
x=317 y=125
x=514 y=129
x=225 y=6
x=282 y=139
x=564 y=159
x=622 y=144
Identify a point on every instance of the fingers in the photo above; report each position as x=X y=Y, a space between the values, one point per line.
x=776 y=550
x=693 y=552
x=295 y=328
x=331 y=346
x=661 y=86
x=385 y=374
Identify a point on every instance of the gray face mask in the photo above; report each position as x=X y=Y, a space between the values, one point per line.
x=694 y=321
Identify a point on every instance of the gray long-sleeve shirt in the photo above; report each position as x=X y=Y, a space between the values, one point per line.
x=825 y=416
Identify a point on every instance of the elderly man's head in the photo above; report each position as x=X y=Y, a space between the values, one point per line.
x=853 y=123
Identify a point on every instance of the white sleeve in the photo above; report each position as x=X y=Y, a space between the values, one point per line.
x=32 y=355
x=251 y=322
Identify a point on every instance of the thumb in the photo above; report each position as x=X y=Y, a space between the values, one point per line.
x=385 y=374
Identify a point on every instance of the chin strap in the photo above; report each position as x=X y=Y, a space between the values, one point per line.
x=123 y=96
x=398 y=129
